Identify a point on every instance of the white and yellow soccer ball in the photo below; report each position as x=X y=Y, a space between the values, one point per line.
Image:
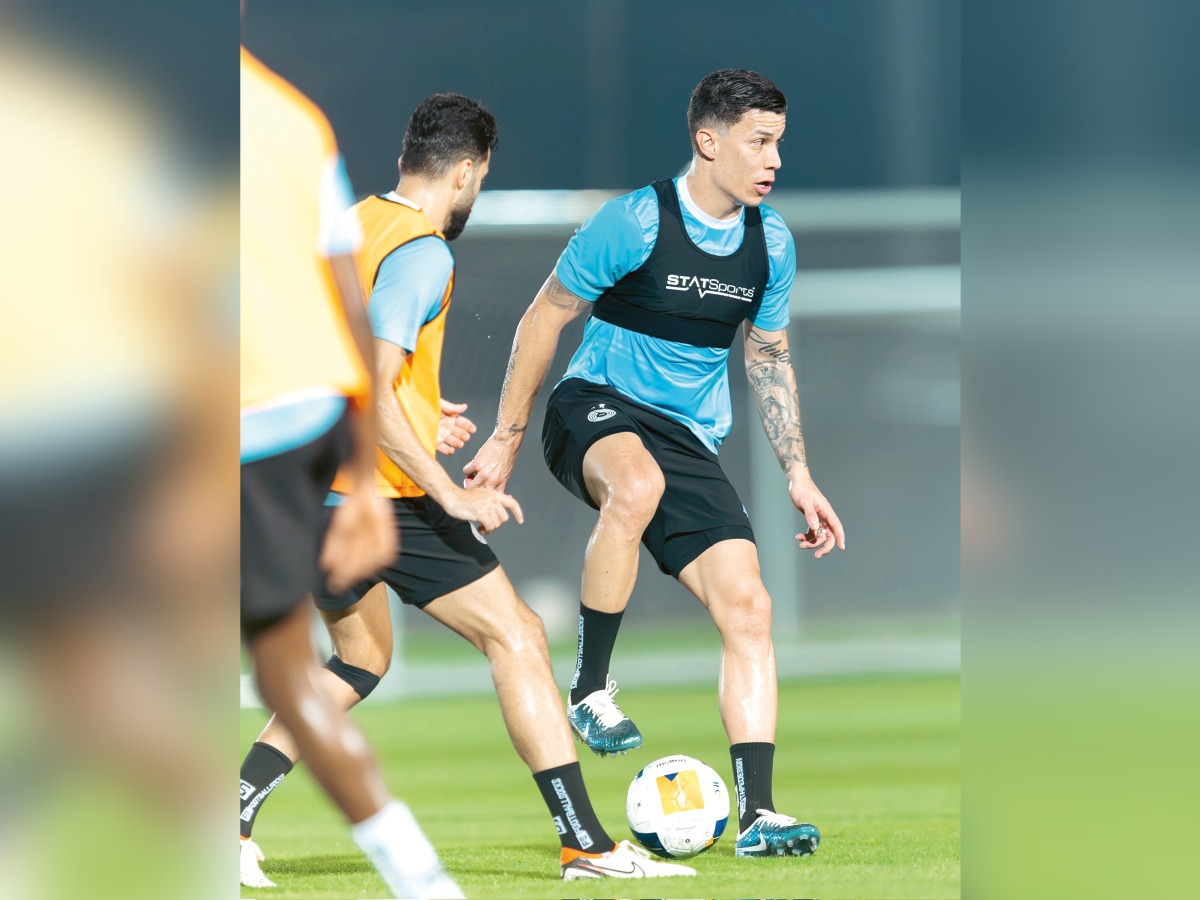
x=677 y=807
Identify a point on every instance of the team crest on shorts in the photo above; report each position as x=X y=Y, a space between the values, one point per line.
x=600 y=413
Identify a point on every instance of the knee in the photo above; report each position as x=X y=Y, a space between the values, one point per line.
x=631 y=503
x=529 y=630
x=380 y=662
x=368 y=648
x=362 y=681
x=375 y=658
x=746 y=617
x=362 y=665
x=520 y=633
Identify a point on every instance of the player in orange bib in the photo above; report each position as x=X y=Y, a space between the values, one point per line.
x=406 y=271
x=305 y=410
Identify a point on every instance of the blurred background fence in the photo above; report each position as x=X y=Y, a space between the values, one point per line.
x=591 y=99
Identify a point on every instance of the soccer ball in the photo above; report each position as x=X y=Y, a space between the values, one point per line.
x=677 y=807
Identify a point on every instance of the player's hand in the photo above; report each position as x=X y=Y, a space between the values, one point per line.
x=824 y=528
x=488 y=509
x=493 y=464
x=454 y=429
x=362 y=539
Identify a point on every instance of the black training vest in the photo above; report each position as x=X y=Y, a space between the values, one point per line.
x=685 y=295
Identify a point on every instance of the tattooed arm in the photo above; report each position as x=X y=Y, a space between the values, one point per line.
x=769 y=368
x=773 y=381
x=532 y=351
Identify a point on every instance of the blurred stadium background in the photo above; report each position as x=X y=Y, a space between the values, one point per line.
x=591 y=99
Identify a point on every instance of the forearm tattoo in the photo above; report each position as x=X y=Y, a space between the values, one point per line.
x=558 y=296
x=773 y=349
x=774 y=386
x=512 y=429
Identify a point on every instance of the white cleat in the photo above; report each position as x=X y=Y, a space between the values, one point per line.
x=252 y=873
x=624 y=861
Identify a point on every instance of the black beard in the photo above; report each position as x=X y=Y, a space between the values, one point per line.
x=458 y=221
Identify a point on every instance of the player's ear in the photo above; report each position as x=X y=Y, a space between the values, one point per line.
x=462 y=172
x=706 y=143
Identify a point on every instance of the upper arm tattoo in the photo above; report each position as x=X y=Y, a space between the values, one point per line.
x=559 y=296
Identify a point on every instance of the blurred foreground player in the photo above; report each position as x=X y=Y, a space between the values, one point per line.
x=670 y=273
x=407 y=272
x=304 y=413
x=111 y=626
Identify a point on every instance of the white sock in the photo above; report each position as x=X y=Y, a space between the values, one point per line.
x=399 y=850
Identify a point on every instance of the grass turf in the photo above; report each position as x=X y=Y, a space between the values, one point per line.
x=874 y=763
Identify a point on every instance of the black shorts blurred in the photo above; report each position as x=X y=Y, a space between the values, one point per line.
x=284 y=525
x=699 y=506
x=438 y=555
x=68 y=535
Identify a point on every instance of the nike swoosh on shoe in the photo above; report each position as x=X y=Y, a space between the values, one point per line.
x=632 y=868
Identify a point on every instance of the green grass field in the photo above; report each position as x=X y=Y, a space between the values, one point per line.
x=874 y=763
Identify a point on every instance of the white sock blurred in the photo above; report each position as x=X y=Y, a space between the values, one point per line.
x=399 y=850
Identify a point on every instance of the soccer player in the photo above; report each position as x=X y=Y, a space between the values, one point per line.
x=407 y=272
x=669 y=273
x=305 y=410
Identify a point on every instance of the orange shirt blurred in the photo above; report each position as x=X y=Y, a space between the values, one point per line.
x=295 y=342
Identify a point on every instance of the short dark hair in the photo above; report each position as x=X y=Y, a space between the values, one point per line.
x=724 y=96
x=445 y=129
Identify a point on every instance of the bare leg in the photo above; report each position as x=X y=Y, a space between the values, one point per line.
x=342 y=762
x=362 y=637
x=726 y=579
x=107 y=699
x=490 y=615
x=336 y=751
x=626 y=483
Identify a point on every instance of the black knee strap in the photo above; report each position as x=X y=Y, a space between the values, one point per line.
x=361 y=680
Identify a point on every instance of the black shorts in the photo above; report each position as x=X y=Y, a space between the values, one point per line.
x=699 y=506
x=283 y=526
x=70 y=532
x=438 y=554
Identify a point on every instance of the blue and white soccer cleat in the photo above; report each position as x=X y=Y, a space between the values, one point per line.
x=599 y=723
x=772 y=834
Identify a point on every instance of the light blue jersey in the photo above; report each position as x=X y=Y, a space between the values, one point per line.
x=409 y=290
x=687 y=383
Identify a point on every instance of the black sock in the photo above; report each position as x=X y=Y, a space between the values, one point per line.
x=262 y=770
x=752 y=764
x=597 y=635
x=571 y=809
